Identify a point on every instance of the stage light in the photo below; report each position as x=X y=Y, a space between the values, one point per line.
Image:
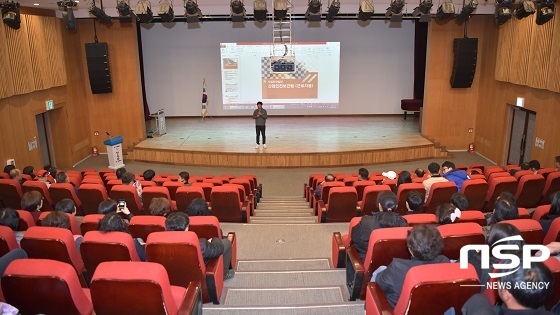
x=366 y=10
x=259 y=10
x=99 y=13
x=165 y=11
x=237 y=11
x=545 y=11
x=280 y=9
x=192 y=11
x=67 y=8
x=445 y=11
x=467 y=11
x=334 y=7
x=503 y=12
x=524 y=9
x=125 y=13
x=313 y=10
x=423 y=11
x=10 y=14
x=144 y=11
x=394 y=11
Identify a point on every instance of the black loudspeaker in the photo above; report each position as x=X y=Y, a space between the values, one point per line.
x=465 y=52
x=98 y=68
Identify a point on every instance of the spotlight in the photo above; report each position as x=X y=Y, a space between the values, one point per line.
x=165 y=11
x=313 y=10
x=467 y=11
x=99 y=13
x=144 y=11
x=10 y=14
x=394 y=11
x=503 y=12
x=524 y=9
x=237 y=11
x=423 y=11
x=192 y=11
x=280 y=9
x=333 y=10
x=260 y=11
x=446 y=11
x=366 y=10
x=125 y=13
x=67 y=7
x=545 y=11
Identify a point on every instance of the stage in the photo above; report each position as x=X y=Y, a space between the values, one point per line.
x=292 y=142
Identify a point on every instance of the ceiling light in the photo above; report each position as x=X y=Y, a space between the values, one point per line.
x=524 y=9
x=10 y=14
x=394 y=11
x=144 y=11
x=35 y=4
x=237 y=11
x=503 y=12
x=280 y=9
x=334 y=7
x=446 y=11
x=467 y=11
x=192 y=11
x=366 y=10
x=259 y=10
x=99 y=13
x=165 y=11
x=313 y=12
x=423 y=11
x=545 y=11
x=67 y=7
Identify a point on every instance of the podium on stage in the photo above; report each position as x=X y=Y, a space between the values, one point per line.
x=114 y=151
x=160 y=128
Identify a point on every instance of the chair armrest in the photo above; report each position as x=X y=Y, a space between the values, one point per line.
x=338 y=251
x=354 y=273
x=231 y=237
x=311 y=197
x=376 y=301
x=215 y=278
x=246 y=211
x=320 y=209
x=192 y=303
x=305 y=190
x=252 y=204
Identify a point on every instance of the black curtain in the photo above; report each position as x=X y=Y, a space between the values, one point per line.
x=141 y=59
x=420 y=45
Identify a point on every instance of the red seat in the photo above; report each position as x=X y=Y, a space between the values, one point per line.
x=142 y=226
x=551 y=186
x=493 y=176
x=545 y=171
x=520 y=174
x=208 y=227
x=215 y=181
x=243 y=198
x=61 y=191
x=116 y=288
x=186 y=194
x=249 y=192
x=458 y=235
x=553 y=234
x=206 y=187
x=529 y=190
x=541 y=213
x=42 y=286
x=492 y=169
x=317 y=179
x=186 y=263
x=495 y=188
x=93 y=180
x=112 y=183
x=477 y=165
x=475 y=190
x=42 y=188
x=510 y=167
x=73 y=222
x=420 y=218
x=226 y=206
x=105 y=171
x=403 y=190
x=392 y=183
x=130 y=196
x=25 y=220
x=149 y=193
x=440 y=193
x=76 y=174
x=369 y=203
x=325 y=187
x=53 y=243
x=148 y=183
x=309 y=185
x=7 y=240
x=427 y=289
x=477 y=176
x=339 y=177
x=553 y=265
x=90 y=222
x=91 y=196
x=159 y=180
x=10 y=193
x=531 y=230
x=474 y=216
x=361 y=185
x=98 y=247
x=350 y=180
x=342 y=206
x=523 y=213
x=172 y=187
x=74 y=181
x=340 y=243
x=384 y=245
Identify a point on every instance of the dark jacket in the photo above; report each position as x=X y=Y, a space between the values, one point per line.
x=361 y=232
x=456 y=176
x=479 y=304
x=547 y=223
x=211 y=249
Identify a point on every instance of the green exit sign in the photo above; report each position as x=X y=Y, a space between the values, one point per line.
x=50 y=104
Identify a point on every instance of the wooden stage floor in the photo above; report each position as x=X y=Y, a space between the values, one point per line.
x=233 y=138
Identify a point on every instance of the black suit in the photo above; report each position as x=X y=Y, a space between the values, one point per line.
x=212 y=249
x=361 y=232
x=391 y=280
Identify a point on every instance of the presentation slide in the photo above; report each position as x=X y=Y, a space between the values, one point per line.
x=248 y=76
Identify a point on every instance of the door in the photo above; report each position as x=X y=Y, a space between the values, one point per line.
x=44 y=143
x=521 y=137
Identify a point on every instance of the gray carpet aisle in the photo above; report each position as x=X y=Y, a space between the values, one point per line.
x=285 y=268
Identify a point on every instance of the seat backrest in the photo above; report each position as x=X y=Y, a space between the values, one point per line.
x=91 y=196
x=206 y=187
x=492 y=169
x=403 y=190
x=474 y=216
x=475 y=190
x=551 y=186
x=553 y=265
x=477 y=165
x=458 y=235
x=349 y=180
x=61 y=191
x=245 y=182
x=553 y=234
x=205 y=226
x=531 y=230
x=440 y=193
x=73 y=222
x=25 y=220
x=422 y=283
x=520 y=174
x=311 y=179
x=530 y=190
x=420 y=218
x=112 y=183
x=510 y=167
x=116 y=285
x=326 y=187
x=361 y=185
x=10 y=193
x=172 y=187
x=149 y=193
x=225 y=204
x=541 y=212
x=496 y=187
x=130 y=196
x=98 y=247
x=43 y=286
x=7 y=240
x=90 y=222
x=186 y=194
x=42 y=188
x=369 y=200
x=141 y=226
x=241 y=190
x=342 y=204
x=493 y=176
x=546 y=171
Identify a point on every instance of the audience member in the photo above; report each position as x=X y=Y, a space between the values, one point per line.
x=504 y=209
x=15 y=174
x=419 y=173
x=557 y=163
x=32 y=201
x=433 y=178
x=460 y=201
x=63 y=178
x=425 y=244
x=120 y=172
x=112 y=222
x=524 y=166
x=363 y=174
x=184 y=178
x=447 y=213
x=160 y=207
x=534 y=166
x=8 y=168
x=390 y=175
x=60 y=219
x=403 y=178
x=212 y=248
x=198 y=207
x=10 y=218
x=319 y=188
x=66 y=205
x=452 y=174
x=29 y=170
x=128 y=179
x=414 y=201
x=110 y=205
x=149 y=175
x=553 y=213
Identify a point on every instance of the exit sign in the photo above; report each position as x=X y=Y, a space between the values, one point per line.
x=50 y=104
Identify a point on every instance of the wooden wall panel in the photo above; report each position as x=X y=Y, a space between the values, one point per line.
x=519 y=61
x=539 y=55
x=38 y=52
x=504 y=43
x=55 y=48
x=20 y=59
x=6 y=83
x=553 y=82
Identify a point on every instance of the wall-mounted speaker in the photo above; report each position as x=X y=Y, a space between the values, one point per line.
x=465 y=52
x=98 y=68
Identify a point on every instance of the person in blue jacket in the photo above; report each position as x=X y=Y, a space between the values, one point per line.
x=454 y=175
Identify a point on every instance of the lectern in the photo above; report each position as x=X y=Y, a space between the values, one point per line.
x=160 y=129
x=114 y=152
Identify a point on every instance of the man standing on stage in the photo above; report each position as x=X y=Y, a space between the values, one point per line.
x=260 y=115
